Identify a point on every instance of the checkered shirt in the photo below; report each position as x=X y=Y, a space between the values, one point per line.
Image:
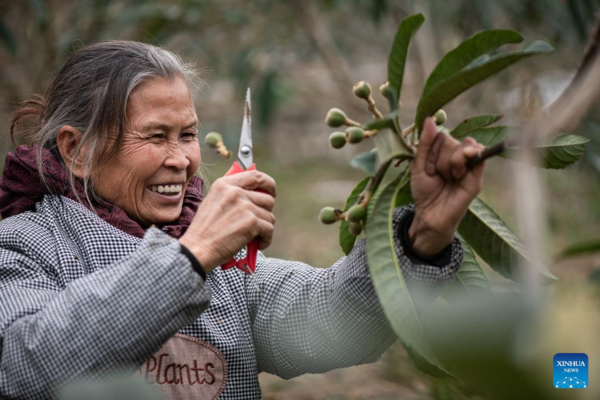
x=79 y=297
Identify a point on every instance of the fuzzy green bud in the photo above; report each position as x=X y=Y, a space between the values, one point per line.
x=385 y=90
x=337 y=140
x=356 y=213
x=362 y=90
x=355 y=228
x=335 y=118
x=328 y=215
x=355 y=134
x=213 y=139
x=440 y=117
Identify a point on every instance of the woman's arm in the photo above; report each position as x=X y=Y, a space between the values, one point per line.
x=310 y=320
x=115 y=317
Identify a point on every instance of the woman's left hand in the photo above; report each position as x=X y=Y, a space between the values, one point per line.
x=442 y=188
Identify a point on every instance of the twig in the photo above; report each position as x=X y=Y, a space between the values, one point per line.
x=486 y=153
x=571 y=106
x=373 y=108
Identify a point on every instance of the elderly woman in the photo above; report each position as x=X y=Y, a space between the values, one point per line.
x=110 y=255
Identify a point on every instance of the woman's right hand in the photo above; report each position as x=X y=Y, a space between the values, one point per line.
x=230 y=217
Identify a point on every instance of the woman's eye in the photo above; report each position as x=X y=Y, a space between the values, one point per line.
x=157 y=136
x=189 y=135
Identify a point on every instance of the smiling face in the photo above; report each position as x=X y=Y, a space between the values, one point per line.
x=158 y=156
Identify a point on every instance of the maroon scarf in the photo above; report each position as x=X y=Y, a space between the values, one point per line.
x=21 y=188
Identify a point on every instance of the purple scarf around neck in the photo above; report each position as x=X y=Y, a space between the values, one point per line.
x=21 y=188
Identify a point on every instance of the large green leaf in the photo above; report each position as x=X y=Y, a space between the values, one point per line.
x=399 y=51
x=389 y=145
x=366 y=161
x=467 y=52
x=347 y=240
x=381 y=123
x=496 y=244
x=470 y=124
x=491 y=135
x=557 y=153
x=470 y=280
x=447 y=89
x=387 y=277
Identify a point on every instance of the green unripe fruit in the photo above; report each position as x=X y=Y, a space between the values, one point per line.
x=213 y=139
x=337 y=140
x=362 y=90
x=355 y=135
x=335 y=118
x=355 y=228
x=328 y=215
x=356 y=213
x=385 y=90
x=440 y=117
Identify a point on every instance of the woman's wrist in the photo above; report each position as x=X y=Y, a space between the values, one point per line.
x=425 y=241
x=199 y=253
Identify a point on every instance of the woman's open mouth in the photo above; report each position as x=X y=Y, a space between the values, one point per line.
x=167 y=190
x=168 y=194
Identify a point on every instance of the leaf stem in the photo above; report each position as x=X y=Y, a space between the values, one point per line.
x=351 y=122
x=373 y=108
x=408 y=130
x=373 y=183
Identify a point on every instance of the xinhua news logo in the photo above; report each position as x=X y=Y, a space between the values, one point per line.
x=571 y=371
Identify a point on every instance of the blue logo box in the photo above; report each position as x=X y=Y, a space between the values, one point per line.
x=571 y=371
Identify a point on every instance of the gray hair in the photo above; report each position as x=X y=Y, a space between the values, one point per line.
x=91 y=92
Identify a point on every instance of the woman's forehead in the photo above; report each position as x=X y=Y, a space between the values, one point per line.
x=160 y=101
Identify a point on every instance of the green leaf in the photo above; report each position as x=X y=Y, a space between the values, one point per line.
x=467 y=52
x=381 y=123
x=399 y=51
x=387 y=277
x=576 y=249
x=404 y=196
x=389 y=145
x=366 y=161
x=470 y=124
x=470 y=280
x=447 y=89
x=491 y=135
x=347 y=240
x=496 y=244
x=558 y=153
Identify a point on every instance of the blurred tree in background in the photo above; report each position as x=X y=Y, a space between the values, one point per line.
x=301 y=58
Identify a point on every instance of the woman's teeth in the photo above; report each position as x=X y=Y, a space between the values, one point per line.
x=166 y=189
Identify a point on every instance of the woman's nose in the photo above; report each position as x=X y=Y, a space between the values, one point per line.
x=176 y=158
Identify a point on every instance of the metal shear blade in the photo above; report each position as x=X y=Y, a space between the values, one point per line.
x=245 y=158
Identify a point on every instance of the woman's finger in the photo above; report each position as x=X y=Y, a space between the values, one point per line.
x=264 y=215
x=263 y=200
x=266 y=234
x=425 y=142
x=252 y=180
x=458 y=159
x=443 y=163
x=432 y=156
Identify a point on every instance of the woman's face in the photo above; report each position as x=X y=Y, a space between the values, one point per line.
x=158 y=156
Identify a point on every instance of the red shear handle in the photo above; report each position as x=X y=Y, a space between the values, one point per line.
x=245 y=259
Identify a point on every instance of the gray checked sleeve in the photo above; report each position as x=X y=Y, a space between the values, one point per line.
x=311 y=320
x=115 y=317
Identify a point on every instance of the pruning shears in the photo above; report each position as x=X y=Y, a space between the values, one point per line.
x=245 y=259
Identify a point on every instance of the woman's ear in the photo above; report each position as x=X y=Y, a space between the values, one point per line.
x=67 y=140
